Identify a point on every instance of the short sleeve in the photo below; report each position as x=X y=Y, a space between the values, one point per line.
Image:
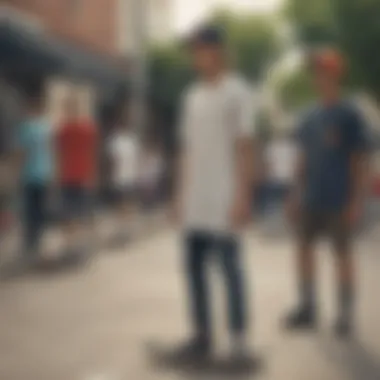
x=358 y=134
x=245 y=111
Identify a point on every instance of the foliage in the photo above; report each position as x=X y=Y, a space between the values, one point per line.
x=169 y=72
x=295 y=89
x=359 y=27
x=252 y=39
x=313 y=21
x=352 y=25
x=253 y=44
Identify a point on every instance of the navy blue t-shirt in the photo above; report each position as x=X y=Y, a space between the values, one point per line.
x=328 y=136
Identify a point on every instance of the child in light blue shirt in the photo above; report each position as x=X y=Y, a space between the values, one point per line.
x=34 y=147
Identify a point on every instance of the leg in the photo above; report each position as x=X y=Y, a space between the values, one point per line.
x=125 y=213
x=229 y=251
x=42 y=195
x=304 y=315
x=28 y=219
x=34 y=213
x=197 y=247
x=120 y=217
x=70 y=224
x=345 y=274
x=83 y=217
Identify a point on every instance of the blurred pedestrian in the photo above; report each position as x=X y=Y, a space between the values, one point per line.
x=214 y=194
x=77 y=173
x=35 y=159
x=6 y=198
x=280 y=154
x=151 y=174
x=330 y=189
x=123 y=150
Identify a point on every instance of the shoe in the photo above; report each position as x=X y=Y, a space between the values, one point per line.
x=242 y=359
x=195 y=349
x=301 y=319
x=239 y=347
x=343 y=328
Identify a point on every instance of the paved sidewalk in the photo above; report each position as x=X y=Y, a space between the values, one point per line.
x=96 y=323
x=100 y=238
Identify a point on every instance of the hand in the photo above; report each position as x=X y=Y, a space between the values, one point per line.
x=353 y=213
x=240 y=213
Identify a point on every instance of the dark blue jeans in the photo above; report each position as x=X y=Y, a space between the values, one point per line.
x=35 y=213
x=199 y=248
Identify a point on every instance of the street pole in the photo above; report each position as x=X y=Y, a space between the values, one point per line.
x=139 y=70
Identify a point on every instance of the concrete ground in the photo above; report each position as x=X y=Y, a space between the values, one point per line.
x=97 y=322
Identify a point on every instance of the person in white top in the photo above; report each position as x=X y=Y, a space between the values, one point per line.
x=123 y=150
x=213 y=195
x=280 y=159
x=151 y=172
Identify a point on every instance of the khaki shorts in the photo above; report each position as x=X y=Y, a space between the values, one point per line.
x=317 y=224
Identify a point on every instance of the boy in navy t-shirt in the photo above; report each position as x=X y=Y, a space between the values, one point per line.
x=330 y=188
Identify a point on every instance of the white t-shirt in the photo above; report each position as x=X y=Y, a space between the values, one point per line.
x=214 y=116
x=280 y=158
x=123 y=149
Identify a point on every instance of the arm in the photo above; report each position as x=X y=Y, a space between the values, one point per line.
x=245 y=163
x=179 y=185
x=359 y=172
x=298 y=186
x=245 y=168
x=56 y=149
x=359 y=167
x=180 y=164
x=18 y=155
x=294 y=201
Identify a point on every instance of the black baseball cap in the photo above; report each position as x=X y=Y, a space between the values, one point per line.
x=207 y=35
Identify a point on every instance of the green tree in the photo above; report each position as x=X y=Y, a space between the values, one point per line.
x=351 y=25
x=313 y=21
x=169 y=72
x=252 y=39
x=359 y=36
x=295 y=89
x=253 y=44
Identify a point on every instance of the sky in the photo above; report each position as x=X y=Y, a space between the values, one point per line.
x=187 y=13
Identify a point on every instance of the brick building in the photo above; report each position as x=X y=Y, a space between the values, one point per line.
x=88 y=23
x=158 y=23
x=62 y=46
x=60 y=41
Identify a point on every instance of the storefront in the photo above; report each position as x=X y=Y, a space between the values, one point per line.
x=32 y=55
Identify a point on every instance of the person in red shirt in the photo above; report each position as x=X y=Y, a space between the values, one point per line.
x=77 y=159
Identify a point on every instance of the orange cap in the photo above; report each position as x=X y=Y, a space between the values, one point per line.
x=330 y=61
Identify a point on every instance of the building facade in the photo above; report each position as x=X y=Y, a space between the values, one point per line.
x=160 y=19
x=88 y=23
x=157 y=23
x=82 y=34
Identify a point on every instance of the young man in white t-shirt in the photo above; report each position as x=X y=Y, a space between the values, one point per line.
x=123 y=152
x=213 y=198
